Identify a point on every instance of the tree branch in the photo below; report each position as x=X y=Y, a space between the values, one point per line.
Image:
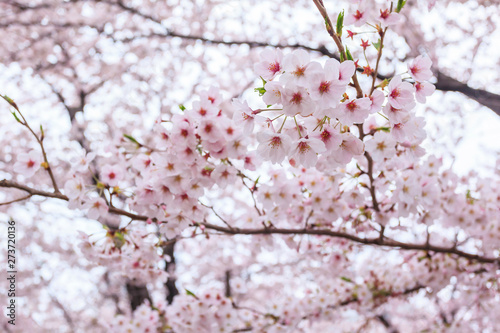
x=378 y=241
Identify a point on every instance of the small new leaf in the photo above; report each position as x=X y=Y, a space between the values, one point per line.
x=401 y=4
x=346 y=279
x=383 y=129
x=131 y=138
x=327 y=24
x=378 y=44
x=10 y=101
x=190 y=293
x=42 y=133
x=340 y=23
x=182 y=107
x=348 y=53
x=15 y=116
x=261 y=91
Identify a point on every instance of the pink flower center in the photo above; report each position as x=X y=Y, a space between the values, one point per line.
x=303 y=147
x=358 y=15
x=381 y=145
x=395 y=93
x=299 y=71
x=351 y=106
x=30 y=164
x=384 y=14
x=112 y=175
x=275 y=142
x=324 y=87
x=325 y=136
x=296 y=98
x=274 y=67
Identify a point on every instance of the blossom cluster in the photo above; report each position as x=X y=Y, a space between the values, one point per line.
x=316 y=114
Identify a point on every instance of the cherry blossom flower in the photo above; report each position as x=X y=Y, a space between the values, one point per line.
x=395 y=115
x=112 y=174
x=212 y=94
x=142 y=162
x=324 y=87
x=74 y=188
x=209 y=130
x=296 y=100
x=408 y=187
x=346 y=71
x=298 y=68
x=330 y=137
x=358 y=18
x=422 y=90
x=353 y=111
x=420 y=68
x=273 y=93
x=377 y=98
x=203 y=110
x=81 y=162
x=349 y=147
x=381 y=146
x=387 y=18
x=270 y=64
x=400 y=93
x=306 y=150
x=224 y=175
x=97 y=207
x=29 y=163
x=273 y=146
x=243 y=114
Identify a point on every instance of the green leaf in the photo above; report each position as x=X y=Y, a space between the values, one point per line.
x=10 y=101
x=340 y=23
x=342 y=59
x=261 y=91
x=378 y=44
x=131 y=138
x=182 y=107
x=400 y=5
x=43 y=133
x=346 y=279
x=383 y=129
x=190 y=293
x=15 y=116
x=348 y=53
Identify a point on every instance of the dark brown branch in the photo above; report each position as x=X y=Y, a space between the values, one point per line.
x=378 y=241
x=137 y=294
x=367 y=241
x=490 y=100
x=172 y=291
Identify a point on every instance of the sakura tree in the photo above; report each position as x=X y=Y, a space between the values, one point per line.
x=214 y=166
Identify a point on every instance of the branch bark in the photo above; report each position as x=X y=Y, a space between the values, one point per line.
x=376 y=241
